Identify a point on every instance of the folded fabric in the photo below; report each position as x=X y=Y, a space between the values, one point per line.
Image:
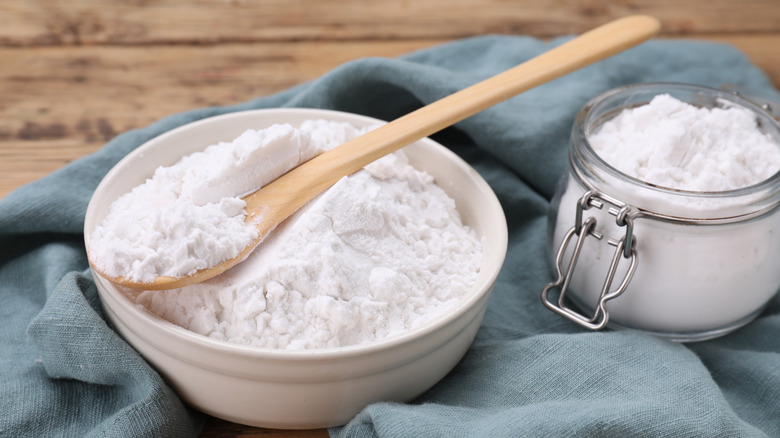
x=65 y=372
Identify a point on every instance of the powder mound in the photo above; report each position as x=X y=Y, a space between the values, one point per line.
x=673 y=144
x=189 y=216
x=382 y=252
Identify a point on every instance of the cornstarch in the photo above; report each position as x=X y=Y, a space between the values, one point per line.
x=382 y=252
x=673 y=144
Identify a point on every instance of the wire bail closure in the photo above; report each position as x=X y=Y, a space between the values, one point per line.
x=625 y=248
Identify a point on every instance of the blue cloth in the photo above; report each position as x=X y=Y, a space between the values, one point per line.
x=65 y=372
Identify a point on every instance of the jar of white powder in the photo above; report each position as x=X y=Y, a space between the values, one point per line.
x=668 y=221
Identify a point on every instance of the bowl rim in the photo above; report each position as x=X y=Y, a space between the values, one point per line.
x=483 y=286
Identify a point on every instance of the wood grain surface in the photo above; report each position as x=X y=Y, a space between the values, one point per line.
x=74 y=74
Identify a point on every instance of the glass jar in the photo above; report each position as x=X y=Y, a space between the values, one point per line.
x=679 y=264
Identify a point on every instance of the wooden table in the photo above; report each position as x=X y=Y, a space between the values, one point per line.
x=74 y=74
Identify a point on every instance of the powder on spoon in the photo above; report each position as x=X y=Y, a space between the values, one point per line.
x=189 y=216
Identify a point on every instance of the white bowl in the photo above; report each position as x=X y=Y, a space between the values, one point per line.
x=301 y=389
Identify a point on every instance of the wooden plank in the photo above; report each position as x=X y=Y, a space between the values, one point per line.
x=60 y=103
x=48 y=22
x=93 y=92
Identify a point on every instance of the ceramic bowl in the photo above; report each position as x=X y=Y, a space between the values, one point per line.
x=312 y=388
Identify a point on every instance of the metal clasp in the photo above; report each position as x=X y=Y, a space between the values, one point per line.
x=625 y=248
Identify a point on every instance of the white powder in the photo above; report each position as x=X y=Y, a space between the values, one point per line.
x=380 y=253
x=189 y=216
x=673 y=144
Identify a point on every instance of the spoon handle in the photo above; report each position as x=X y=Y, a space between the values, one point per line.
x=291 y=191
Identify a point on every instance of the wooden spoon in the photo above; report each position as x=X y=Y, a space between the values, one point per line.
x=279 y=199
